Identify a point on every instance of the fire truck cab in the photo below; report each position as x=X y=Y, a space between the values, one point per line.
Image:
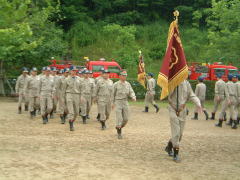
x=112 y=66
x=210 y=71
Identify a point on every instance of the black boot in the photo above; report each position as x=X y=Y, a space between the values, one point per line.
x=19 y=110
x=238 y=120
x=98 y=117
x=234 y=125
x=169 y=148
x=119 y=132
x=206 y=114
x=213 y=116
x=187 y=112
x=32 y=114
x=195 y=116
x=219 y=124
x=62 y=119
x=157 y=108
x=84 y=118
x=146 y=109
x=26 y=107
x=51 y=115
x=87 y=117
x=103 y=125
x=44 y=119
x=225 y=116
x=175 y=155
x=71 y=125
x=229 y=123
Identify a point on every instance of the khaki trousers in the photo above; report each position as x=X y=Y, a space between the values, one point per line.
x=72 y=106
x=122 y=112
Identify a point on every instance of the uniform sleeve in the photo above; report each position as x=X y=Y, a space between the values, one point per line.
x=132 y=93
x=217 y=88
x=226 y=91
x=93 y=89
x=64 y=86
x=114 y=92
x=192 y=97
x=39 y=86
x=95 y=93
x=26 y=85
x=17 y=85
x=197 y=90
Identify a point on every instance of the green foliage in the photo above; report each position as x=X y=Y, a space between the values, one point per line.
x=224 y=31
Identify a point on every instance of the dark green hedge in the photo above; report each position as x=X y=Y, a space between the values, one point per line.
x=140 y=91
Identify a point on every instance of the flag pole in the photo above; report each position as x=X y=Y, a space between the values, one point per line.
x=176 y=14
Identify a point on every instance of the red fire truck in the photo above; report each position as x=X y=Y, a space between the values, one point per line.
x=209 y=71
x=95 y=66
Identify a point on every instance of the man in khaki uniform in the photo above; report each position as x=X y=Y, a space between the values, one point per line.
x=200 y=92
x=71 y=88
x=231 y=101
x=219 y=94
x=102 y=95
x=62 y=107
x=223 y=98
x=87 y=90
x=19 y=88
x=178 y=113
x=149 y=97
x=32 y=85
x=121 y=91
x=238 y=99
x=96 y=81
x=92 y=80
x=46 y=91
x=55 y=100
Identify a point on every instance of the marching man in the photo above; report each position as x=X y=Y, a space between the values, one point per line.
x=121 y=91
x=102 y=95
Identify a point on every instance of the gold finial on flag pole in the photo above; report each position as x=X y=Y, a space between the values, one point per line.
x=176 y=14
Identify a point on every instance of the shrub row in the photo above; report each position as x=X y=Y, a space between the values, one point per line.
x=140 y=91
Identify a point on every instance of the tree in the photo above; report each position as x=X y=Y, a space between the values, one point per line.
x=224 y=31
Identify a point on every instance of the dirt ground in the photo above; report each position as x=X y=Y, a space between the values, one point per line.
x=31 y=150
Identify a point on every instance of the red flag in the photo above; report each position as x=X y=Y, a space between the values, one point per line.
x=141 y=71
x=174 y=68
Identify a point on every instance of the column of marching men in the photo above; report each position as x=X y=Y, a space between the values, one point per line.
x=71 y=93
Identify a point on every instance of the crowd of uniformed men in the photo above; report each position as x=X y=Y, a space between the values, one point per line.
x=71 y=93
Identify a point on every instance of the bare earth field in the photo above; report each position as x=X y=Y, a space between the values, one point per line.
x=30 y=150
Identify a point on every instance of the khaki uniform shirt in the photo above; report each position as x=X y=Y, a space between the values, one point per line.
x=87 y=87
x=32 y=85
x=71 y=85
x=200 y=91
x=220 y=88
x=104 y=90
x=185 y=93
x=21 y=80
x=46 y=86
x=122 y=90
x=151 y=84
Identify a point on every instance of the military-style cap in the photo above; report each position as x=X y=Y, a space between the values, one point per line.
x=123 y=73
x=150 y=74
x=24 y=69
x=48 y=69
x=34 y=69
x=200 y=78
x=54 y=69
x=61 y=71
x=238 y=76
x=86 y=71
x=43 y=68
x=90 y=72
x=219 y=75
x=80 y=72
x=73 y=68
x=230 y=77
x=66 y=70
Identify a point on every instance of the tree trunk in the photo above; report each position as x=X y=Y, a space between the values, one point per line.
x=2 y=89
